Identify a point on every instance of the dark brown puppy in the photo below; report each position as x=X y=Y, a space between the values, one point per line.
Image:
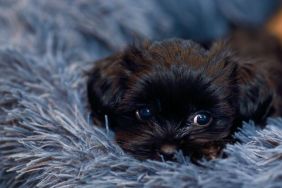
x=174 y=95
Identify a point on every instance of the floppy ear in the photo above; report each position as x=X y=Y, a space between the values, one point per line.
x=104 y=87
x=255 y=92
x=253 y=89
x=108 y=81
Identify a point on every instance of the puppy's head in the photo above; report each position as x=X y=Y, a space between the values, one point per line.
x=168 y=96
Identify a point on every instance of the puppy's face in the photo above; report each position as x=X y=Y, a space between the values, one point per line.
x=169 y=96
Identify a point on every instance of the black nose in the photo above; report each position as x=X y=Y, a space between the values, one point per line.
x=168 y=151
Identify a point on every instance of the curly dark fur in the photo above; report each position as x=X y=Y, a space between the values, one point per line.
x=177 y=78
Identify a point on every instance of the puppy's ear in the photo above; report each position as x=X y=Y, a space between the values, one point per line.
x=104 y=87
x=108 y=81
x=255 y=92
x=253 y=89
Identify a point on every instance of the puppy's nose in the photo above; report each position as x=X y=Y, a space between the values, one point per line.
x=168 y=150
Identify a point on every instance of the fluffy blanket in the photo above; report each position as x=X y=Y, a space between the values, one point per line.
x=46 y=136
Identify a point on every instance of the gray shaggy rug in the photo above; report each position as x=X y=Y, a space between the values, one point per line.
x=46 y=136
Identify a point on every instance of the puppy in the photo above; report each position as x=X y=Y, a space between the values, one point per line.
x=163 y=97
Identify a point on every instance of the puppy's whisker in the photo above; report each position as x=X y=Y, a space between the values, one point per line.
x=162 y=158
x=107 y=124
x=156 y=130
x=134 y=146
x=183 y=132
x=179 y=124
x=154 y=125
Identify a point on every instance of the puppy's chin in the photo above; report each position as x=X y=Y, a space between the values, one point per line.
x=209 y=151
x=143 y=147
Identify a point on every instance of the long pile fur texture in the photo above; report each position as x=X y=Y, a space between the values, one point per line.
x=46 y=136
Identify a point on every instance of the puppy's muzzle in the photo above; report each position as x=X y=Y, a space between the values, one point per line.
x=168 y=151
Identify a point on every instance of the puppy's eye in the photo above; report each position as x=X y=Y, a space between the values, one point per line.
x=202 y=119
x=144 y=113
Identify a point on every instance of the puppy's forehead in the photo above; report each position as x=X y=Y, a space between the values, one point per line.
x=175 y=47
x=186 y=60
x=177 y=51
x=179 y=71
x=174 y=86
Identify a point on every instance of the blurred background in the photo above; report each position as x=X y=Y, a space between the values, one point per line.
x=95 y=28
